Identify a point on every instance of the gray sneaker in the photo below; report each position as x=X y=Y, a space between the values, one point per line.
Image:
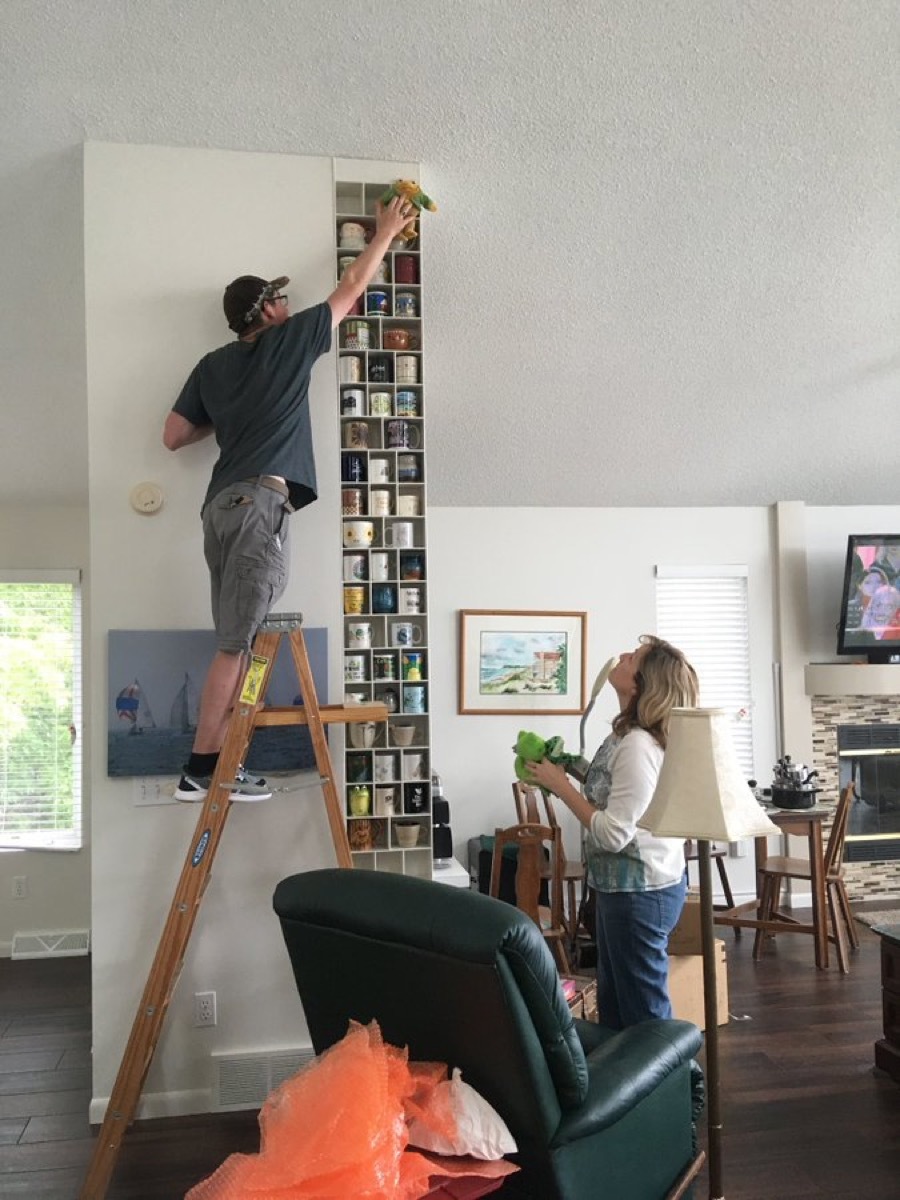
x=193 y=788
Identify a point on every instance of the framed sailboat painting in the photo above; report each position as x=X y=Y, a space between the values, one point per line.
x=155 y=678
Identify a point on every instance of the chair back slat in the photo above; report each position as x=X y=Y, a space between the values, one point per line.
x=834 y=852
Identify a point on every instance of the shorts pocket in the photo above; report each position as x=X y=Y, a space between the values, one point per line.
x=259 y=585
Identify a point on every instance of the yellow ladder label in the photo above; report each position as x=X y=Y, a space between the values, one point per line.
x=253 y=679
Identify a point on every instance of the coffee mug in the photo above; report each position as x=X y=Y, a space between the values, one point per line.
x=398 y=339
x=385 y=768
x=404 y=633
x=362 y=734
x=354 y=568
x=385 y=801
x=408 y=505
x=412 y=664
x=415 y=765
x=415 y=798
x=401 y=533
x=414 y=697
x=356 y=335
x=403 y=434
x=353 y=468
x=380 y=502
x=353 y=403
x=384 y=666
x=353 y=236
x=406 y=304
x=380 y=565
x=412 y=566
x=380 y=404
x=409 y=468
x=407 y=833
x=384 y=598
x=351 y=502
x=380 y=470
x=410 y=600
x=356 y=435
x=407 y=368
x=354 y=600
x=407 y=404
x=359 y=635
x=350 y=370
x=358 y=533
x=354 y=668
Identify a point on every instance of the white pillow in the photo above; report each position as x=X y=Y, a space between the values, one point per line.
x=480 y=1130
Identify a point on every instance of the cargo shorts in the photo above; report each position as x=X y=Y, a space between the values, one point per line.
x=245 y=543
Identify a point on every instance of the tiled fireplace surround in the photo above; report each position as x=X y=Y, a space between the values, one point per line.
x=865 y=880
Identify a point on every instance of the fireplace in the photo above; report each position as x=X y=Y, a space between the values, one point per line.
x=858 y=737
x=869 y=757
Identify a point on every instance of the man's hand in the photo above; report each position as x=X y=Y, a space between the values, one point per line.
x=393 y=218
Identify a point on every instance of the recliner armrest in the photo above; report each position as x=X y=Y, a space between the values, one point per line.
x=624 y=1067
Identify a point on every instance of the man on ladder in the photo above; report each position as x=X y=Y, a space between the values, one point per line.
x=253 y=394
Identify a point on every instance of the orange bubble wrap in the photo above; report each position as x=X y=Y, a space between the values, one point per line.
x=338 y=1128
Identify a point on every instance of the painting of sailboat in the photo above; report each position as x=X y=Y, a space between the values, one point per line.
x=132 y=708
x=185 y=706
x=148 y=667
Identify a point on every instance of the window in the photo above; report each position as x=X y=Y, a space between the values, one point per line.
x=704 y=611
x=40 y=709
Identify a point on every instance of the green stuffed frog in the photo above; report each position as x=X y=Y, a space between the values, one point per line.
x=531 y=747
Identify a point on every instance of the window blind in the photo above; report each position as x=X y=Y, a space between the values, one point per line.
x=705 y=612
x=40 y=710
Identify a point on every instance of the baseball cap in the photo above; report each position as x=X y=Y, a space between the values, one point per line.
x=244 y=297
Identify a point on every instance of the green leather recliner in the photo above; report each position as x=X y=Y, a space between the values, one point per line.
x=467 y=980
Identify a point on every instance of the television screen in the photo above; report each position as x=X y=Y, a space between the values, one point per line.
x=870 y=607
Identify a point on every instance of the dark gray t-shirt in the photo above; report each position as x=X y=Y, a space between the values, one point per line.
x=256 y=397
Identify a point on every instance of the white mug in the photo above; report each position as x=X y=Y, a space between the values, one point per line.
x=358 y=534
x=385 y=801
x=407 y=506
x=362 y=734
x=380 y=502
x=350 y=369
x=379 y=470
x=410 y=600
x=407 y=368
x=415 y=765
x=379 y=566
x=385 y=768
x=354 y=568
x=354 y=668
x=399 y=534
x=404 y=633
x=359 y=635
x=381 y=404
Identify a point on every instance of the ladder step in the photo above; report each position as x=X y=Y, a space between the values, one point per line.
x=281 y=622
x=331 y=714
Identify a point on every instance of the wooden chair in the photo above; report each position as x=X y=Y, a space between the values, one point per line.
x=529 y=800
x=781 y=867
x=719 y=854
x=538 y=851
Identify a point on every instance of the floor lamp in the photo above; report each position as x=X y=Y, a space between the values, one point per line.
x=703 y=794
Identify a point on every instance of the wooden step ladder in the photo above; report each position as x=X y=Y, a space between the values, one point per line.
x=247 y=716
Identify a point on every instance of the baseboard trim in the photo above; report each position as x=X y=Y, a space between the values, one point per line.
x=158 y=1104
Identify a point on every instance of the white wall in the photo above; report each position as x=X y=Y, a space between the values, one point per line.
x=601 y=561
x=165 y=229
x=59 y=887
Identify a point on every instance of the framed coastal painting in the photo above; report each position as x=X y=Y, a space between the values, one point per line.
x=521 y=662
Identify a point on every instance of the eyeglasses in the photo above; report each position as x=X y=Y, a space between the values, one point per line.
x=274 y=299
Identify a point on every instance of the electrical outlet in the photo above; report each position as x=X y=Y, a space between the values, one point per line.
x=19 y=887
x=204 y=1009
x=154 y=790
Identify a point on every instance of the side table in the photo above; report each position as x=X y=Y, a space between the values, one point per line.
x=887 y=1050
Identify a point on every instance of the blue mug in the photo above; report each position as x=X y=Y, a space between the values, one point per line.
x=384 y=598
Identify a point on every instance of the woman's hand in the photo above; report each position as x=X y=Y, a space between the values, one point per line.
x=547 y=775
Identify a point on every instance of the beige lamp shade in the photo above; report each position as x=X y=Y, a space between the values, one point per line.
x=701 y=791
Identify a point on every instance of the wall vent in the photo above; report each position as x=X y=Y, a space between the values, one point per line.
x=244 y=1080
x=65 y=943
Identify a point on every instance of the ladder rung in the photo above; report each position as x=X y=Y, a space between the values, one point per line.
x=331 y=714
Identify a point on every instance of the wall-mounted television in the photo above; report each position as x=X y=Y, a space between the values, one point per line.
x=870 y=603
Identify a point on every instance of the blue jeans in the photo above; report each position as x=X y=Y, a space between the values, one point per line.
x=632 y=960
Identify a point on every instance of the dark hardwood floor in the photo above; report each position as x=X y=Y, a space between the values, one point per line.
x=805 y=1113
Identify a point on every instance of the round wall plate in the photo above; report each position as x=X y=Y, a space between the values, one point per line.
x=146 y=498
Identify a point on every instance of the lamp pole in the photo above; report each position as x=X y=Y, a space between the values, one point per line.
x=710 y=1013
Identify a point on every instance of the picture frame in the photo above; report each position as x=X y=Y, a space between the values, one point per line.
x=520 y=662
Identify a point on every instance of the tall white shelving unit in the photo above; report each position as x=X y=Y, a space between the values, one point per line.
x=382 y=398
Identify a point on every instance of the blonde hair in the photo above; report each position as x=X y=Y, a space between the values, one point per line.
x=665 y=680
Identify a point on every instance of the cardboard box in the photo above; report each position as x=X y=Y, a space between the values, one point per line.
x=685 y=937
x=581 y=995
x=686 y=986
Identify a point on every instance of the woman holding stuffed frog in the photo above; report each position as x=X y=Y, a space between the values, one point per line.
x=638 y=879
